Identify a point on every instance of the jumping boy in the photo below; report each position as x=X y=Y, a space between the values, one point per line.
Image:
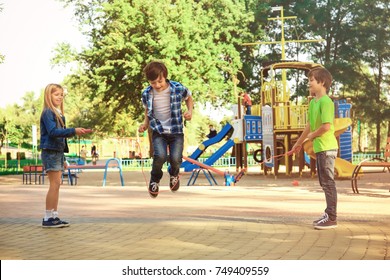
x=162 y=102
x=320 y=130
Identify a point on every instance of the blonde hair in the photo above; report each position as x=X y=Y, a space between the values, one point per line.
x=48 y=103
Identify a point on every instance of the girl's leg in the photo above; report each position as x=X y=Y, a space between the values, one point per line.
x=53 y=193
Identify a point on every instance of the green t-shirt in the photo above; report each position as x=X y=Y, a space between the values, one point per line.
x=322 y=111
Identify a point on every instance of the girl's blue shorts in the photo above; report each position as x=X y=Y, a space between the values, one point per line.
x=52 y=160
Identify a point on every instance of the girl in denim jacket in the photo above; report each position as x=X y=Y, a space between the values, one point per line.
x=53 y=144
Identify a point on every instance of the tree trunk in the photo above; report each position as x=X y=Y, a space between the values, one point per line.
x=388 y=129
x=378 y=137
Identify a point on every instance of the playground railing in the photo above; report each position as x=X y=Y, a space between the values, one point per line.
x=358 y=157
x=221 y=162
x=231 y=161
x=144 y=162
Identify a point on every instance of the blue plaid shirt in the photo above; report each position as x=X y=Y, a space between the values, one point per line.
x=178 y=94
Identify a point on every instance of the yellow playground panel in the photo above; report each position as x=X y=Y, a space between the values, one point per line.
x=277 y=93
x=283 y=120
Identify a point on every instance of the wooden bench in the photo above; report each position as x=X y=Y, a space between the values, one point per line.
x=380 y=164
x=38 y=173
x=64 y=174
x=30 y=171
x=92 y=167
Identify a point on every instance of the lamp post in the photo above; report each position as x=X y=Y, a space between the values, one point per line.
x=83 y=114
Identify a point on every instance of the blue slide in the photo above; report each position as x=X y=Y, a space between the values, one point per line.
x=307 y=159
x=202 y=147
x=217 y=138
x=188 y=166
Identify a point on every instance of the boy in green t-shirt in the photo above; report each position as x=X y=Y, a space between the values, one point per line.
x=320 y=130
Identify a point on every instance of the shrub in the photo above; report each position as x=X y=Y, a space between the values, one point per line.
x=21 y=155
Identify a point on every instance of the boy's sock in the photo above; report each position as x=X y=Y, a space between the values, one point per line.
x=48 y=214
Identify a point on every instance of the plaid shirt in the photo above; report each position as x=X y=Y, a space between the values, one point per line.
x=178 y=94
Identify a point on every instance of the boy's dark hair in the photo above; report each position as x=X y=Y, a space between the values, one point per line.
x=322 y=75
x=154 y=69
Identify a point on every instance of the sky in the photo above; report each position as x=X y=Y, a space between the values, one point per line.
x=29 y=32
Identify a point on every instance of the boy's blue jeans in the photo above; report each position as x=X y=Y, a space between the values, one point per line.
x=325 y=170
x=175 y=143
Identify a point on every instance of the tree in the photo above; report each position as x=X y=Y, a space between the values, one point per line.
x=207 y=54
x=355 y=50
x=373 y=70
x=3 y=131
x=199 y=51
x=2 y=57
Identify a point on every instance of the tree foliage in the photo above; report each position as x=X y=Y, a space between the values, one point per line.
x=355 y=50
x=201 y=43
x=198 y=40
x=2 y=57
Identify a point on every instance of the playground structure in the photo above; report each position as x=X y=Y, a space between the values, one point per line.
x=189 y=165
x=279 y=123
x=283 y=122
x=276 y=129
x=119 y=147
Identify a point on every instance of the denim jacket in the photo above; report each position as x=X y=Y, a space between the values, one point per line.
x=53 y=136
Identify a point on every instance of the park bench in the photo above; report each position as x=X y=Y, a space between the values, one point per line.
x=377 y=165
x=75 y=167
x=32 y=171
x=38 y=173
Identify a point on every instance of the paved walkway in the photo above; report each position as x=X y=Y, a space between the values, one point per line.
x=260 y=218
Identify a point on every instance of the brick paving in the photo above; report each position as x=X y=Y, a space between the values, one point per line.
x=262 y=218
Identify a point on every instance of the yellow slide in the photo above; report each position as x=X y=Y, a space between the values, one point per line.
x=343 y=168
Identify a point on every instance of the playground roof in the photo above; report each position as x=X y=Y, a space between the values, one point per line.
x=306 y=66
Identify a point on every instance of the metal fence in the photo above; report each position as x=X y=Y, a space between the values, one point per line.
x=221 y=162
x=358 y=157
x=231 y=161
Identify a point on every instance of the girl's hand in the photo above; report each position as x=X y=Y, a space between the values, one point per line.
x=81 y=130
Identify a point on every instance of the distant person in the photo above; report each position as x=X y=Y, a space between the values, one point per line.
x=162 y=101
x=320 y=130
x=94 y=154
x=212 y=132
x=54 y=145
x=93 y=150
x=83 y=154
x=247 y=102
